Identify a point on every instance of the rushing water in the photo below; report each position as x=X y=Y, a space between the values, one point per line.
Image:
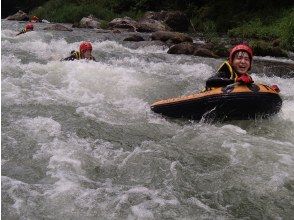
x=79 y=140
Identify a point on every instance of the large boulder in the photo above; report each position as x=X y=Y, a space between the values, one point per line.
x=192 y=49
x=123 y=23
x=174 y=37
x=19 y=16
x=159 y=16
x=88 y=22
x=182 y=48
x=175 y=20
x=151 y=25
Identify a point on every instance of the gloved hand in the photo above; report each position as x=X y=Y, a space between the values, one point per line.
x=245 y=79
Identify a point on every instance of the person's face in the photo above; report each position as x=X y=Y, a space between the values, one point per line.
x=241 y=62
x=87 y=54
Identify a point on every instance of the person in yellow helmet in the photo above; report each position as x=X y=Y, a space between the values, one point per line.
x=235 y=69
x=85 y=52
x=35 y=19
x=28 y=27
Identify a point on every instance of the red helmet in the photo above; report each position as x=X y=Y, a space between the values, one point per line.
x=85 y=46
x=29 y=26
x=239 y=47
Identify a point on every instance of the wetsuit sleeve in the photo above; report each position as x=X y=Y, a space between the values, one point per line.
x=22 y=32
x=218 y=82
x=222 y=78
x=71 y=57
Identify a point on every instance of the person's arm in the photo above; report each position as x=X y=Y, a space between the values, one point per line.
x=71 y=57
x=215 y=81
x=22 y=32
x=223 y=77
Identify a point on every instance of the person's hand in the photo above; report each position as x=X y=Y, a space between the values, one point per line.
x=245 y=79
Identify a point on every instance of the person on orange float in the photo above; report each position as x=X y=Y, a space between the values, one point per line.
x=236 y=69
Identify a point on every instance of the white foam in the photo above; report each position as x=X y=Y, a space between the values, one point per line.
x=38 y=125
x=233 y=128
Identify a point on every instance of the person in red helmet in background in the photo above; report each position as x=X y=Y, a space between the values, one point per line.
x=28 y=27
x=85 y=52
x=235 y=69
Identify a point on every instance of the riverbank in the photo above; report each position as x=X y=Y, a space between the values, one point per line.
x=263 y=24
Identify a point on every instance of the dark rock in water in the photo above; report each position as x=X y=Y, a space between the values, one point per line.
x=192 y=49
x=204 y=52
x=174 y=37
x=151 y=25
x=19 y=16
x=57 y=27
x=273 y=68
x=182 y=48
x=88 y=22
x=123 y=23
x=135 y=38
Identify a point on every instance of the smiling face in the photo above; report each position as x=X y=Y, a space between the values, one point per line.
x=241 y=62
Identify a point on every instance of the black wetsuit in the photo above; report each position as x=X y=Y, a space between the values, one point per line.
x=224 y=76
x=76 y=55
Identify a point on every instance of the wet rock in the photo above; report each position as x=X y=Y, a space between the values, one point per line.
x=204 y=52
x=270 y=67
x=182 y=48
x=19 y=16
x=135 y=38
x=262 y=48
x=88 y=22
x=151 y=25
x=159 y=16
x=57 y=27
x=174 y=37
x=175 y=20
x=192 y=49
x=123 y=23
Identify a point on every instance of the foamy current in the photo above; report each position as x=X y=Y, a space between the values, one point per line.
x=79 y=140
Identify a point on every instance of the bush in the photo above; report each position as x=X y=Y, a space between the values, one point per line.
x=63 y=11
x=286 y=30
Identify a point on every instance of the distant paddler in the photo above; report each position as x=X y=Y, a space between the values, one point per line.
x=85 y=52
x=27 y=28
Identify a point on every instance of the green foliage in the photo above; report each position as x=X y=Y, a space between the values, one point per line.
x=285 y=27
x=72 y=11
x=209 y=31
x=247 y=19
x=263 y=48
x=254 y=29
x=281 y=28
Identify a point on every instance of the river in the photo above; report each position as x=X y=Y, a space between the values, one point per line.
x=79 y=140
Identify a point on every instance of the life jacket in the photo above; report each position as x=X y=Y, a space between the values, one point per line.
x=225 y=76
x=77 y=55
x=226 y=68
